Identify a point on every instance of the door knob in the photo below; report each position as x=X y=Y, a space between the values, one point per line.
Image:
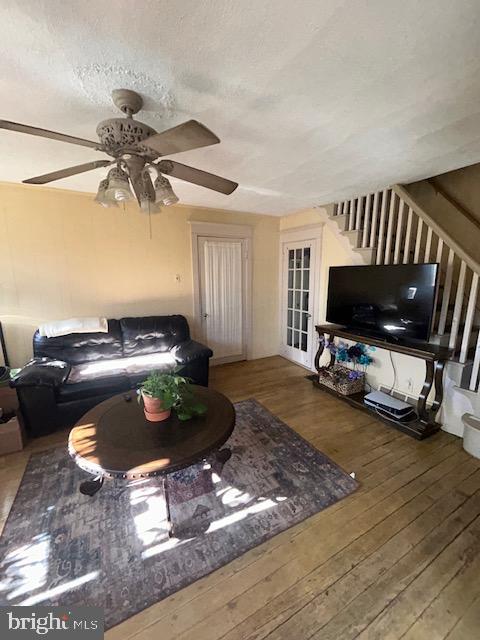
x=205 y=315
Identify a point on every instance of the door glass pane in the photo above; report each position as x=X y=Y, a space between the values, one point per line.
x=304 y=321
x=298 y=279
x=306 y=279
x=291 y=259
x=304 y=341
x=305 y=297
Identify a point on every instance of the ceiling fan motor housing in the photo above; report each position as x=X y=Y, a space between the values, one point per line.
x=127 y=101
x=125 y=135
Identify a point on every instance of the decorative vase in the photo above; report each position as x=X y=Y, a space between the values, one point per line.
x=153 y=409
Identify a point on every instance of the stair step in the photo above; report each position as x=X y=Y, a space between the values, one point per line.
x=368 y=254
x=341 y=221
x=355 y=237
x=460 y=372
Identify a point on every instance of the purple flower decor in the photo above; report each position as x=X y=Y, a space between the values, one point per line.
x=355 y=375
x=358 y=354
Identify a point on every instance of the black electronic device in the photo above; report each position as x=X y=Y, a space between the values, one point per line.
x=395 y=302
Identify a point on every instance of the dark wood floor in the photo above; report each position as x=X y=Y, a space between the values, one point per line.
x=397 y=559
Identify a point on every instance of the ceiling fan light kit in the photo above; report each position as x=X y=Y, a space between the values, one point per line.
x=101 y=198
x=118 y=185
x=164 y=192
x=148 y=203
x=135 y=148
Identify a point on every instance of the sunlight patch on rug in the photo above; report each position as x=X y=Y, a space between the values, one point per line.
x=114 y=550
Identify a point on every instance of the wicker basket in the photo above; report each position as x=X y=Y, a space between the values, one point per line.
x=336 y=378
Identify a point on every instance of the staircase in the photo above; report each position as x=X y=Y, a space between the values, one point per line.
x=389 y=227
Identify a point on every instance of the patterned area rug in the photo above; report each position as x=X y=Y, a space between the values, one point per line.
x=113 y=550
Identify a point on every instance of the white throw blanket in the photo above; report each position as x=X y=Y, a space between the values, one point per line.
x=73 y=325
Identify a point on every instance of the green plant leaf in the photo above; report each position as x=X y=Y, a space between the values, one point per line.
x=199 y=408
x=174 y=391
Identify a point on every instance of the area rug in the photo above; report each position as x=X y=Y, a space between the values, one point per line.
x=113 y=550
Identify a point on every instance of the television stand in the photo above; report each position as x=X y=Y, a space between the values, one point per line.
x=435 y=357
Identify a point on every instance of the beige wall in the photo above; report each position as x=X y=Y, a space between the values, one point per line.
x=62 y=255
x=464 y=186
x=458 y=228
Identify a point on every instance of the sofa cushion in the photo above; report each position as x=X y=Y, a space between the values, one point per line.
x=121 y=367
x=112 y=376
x=153 y=334
x=81 y=347
x=96 y=370
x=149 y=362
x=141 y=366
x=108 y=385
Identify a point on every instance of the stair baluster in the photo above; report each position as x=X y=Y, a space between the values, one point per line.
x=373 y=232
x=399 y=233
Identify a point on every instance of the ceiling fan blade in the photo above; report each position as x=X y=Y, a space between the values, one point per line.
x=186 y=136
x=65 y=173
x=45 y=133
x=202 y=178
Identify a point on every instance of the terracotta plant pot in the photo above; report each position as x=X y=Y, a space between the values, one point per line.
x=157 y=417
x=153 y=409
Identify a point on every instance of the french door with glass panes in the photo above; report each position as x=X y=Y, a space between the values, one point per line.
x=297 y=324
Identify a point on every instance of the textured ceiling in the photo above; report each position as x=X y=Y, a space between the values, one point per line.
x=313 y=100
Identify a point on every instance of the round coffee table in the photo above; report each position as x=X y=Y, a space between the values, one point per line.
x=115 y=440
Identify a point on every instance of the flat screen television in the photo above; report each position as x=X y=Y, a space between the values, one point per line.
x=395 y=302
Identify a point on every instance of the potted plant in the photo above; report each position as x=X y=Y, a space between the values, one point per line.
x=162 y=392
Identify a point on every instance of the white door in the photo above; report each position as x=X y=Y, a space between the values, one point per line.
x=297 y=294
x=222 y=291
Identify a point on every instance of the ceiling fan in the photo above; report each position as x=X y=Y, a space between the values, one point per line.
x=136 y=150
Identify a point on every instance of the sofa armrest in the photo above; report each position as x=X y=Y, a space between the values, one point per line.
x=42 y=372
x=190 y=350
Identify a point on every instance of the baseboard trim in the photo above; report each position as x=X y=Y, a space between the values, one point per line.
x=227 y=360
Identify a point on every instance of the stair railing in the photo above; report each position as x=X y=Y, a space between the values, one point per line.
x=399 y=231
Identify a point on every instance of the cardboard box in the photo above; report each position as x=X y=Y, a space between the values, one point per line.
x=8 y=399
x=11 y=437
